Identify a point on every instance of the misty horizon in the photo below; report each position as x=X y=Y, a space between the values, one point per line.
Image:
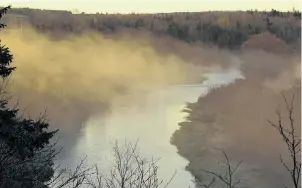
x=154 y=7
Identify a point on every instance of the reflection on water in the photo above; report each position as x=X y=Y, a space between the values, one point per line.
x=152 y=119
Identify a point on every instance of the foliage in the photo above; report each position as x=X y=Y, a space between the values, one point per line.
x=225 y=29
x=26 y=155
x=25 y=151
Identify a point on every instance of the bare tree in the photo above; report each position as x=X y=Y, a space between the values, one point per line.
x=291 y=138
x=226 y=179
x=128 y=170
x=65 y=177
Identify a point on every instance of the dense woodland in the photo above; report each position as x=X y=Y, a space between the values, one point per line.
x=224 y=29
x=26 y=154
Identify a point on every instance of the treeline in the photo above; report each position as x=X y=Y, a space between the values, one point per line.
x=27 y=155
x=224 y=29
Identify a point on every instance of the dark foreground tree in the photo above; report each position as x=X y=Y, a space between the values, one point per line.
x=26 y=155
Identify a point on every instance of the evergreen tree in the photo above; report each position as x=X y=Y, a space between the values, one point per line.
x=26 y=155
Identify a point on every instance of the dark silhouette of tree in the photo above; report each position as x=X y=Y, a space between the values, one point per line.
x=275 y=13
x=297 y=14
x=5 y=56
x=26 y=155
x=139 y=23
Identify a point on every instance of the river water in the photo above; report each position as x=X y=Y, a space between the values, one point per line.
x=152 y=119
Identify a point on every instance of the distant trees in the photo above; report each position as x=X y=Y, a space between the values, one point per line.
x=290 y=134
x=297 y=14
x=26 y=155
x=139 y=23
x=220 y=29
x=276 y=13
x=224 y=37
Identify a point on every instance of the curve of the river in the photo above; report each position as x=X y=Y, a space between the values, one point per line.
x=152 y=120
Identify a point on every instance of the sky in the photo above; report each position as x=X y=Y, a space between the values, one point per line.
x=154 y=6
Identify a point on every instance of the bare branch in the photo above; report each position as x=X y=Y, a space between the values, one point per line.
x=226 y=179
x=292 y=141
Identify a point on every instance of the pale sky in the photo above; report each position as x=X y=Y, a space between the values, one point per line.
x=153 y=6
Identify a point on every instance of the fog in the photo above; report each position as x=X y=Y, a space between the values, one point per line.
x=76 y=77
x=91 y=67
x=80 y=76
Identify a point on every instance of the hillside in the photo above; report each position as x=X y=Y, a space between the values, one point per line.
x=86 y=75
x=224 y=29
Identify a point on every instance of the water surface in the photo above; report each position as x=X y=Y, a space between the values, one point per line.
x=152 y=119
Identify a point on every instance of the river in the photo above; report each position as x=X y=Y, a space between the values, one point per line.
x=152 y=120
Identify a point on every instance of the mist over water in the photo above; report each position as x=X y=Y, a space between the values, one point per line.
x=85 y=75
x=152 y=121
x=99 y=89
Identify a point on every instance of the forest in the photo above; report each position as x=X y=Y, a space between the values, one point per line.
x=28 y=153
x=224 y=29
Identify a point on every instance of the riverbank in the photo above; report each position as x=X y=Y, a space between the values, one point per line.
x=233 y=118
